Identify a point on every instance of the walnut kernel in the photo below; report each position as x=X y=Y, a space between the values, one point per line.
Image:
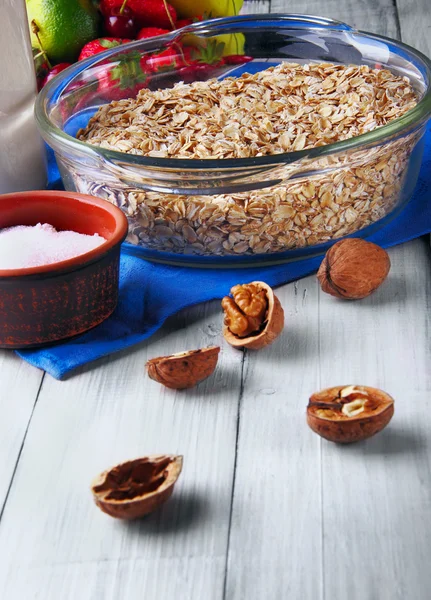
x=254 y=316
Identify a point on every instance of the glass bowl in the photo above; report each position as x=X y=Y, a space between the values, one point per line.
x=240 y=211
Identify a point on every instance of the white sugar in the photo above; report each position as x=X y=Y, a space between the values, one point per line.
x=22 y=246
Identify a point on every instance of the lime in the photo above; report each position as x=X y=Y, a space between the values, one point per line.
x=62 y=27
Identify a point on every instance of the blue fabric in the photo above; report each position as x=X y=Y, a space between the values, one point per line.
x=150 y=293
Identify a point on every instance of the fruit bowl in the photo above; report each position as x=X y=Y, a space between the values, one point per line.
x=241 y=211
x=45 y=304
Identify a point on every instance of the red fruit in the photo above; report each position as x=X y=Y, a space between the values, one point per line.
x=106 y=6
x=110 y=90
x=149 y=32
x=197 y=19
x=147 y=12
x=154 y=13
x=125 y=79
x=184 y=23
x=100 y=45
x=41 y=73
x=169 y=58
x=199 y=71
x=121 y=23
x=55 y=71
x=237 y=59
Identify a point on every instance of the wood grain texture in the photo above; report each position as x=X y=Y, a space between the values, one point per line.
x=378 y=17
x=377 y=494
x=275 y=541
x=314 y=511
x=415 y=24
x=264 y=508
x=60 y=545
x=19 y=385
x=256 y=7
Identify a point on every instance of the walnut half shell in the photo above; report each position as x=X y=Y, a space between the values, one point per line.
x=254 y=316
x=349 y=413
x=137 y=487
x=184 y=369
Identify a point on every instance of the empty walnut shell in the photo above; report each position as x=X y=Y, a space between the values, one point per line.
x=137 y=487
x=185 y=369
x=261 y=325
x=349 y=413
x=353 y=269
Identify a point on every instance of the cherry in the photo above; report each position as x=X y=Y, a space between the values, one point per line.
x=41 y=73
x=55 y=71
x=120 y=23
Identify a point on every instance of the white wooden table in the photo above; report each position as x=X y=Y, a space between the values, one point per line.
x=264 y=508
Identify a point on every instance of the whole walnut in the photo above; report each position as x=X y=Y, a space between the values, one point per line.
x=353 y=269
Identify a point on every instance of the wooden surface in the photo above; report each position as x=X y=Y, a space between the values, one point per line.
x=264 y=509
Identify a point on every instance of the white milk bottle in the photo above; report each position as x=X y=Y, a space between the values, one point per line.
x=22 y=156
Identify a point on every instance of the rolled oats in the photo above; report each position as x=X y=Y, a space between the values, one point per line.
x=285 y=108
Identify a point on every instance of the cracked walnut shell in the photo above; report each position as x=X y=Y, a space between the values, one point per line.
x=353 y=269
x=254 y=316
x=135 y=488
x=349 y=413
x=184 y=369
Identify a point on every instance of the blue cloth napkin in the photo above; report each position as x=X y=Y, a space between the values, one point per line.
x=150 y=293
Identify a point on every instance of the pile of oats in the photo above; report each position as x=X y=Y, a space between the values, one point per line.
x=281 y=109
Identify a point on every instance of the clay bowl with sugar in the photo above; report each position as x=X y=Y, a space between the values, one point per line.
x=44 y=304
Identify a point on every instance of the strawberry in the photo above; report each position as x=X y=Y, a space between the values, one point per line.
x=125 y=79
x=193 y=63
x=184 y=23
x=191 y=20
x=149 y=32
x=151 y=13
x=167 y=59
x=100 y=45
x=154 y=13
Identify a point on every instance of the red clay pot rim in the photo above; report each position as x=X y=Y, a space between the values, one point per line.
x=76 y=262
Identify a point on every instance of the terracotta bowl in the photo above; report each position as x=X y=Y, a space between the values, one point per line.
x=41 y=305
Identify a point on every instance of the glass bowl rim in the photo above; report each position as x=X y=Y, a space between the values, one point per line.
x=413 y=118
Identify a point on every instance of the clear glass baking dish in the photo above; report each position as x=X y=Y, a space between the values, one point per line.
x=241 y=211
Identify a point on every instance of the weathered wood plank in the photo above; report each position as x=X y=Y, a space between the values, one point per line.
x=415 y=23
x=275 y=542
x=275 y=551
x=56 y=544
x=376 y=495
x=254 y=7
x=18 y=392
x=379 y=17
